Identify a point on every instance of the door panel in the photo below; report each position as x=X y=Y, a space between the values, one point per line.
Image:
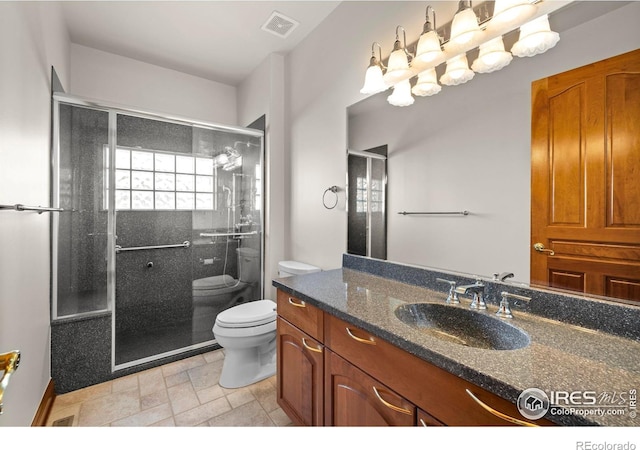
x=585 y=188
x=566 y=154
x=623 y=165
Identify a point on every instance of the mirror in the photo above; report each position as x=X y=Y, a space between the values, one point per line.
x=468 y=148
x=366 y=202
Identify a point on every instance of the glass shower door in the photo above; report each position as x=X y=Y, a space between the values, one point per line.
x=80 y=232
x=188 y=234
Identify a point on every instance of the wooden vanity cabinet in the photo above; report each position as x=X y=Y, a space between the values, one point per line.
x=300 y=361
x=353 y=398
x=328 y=369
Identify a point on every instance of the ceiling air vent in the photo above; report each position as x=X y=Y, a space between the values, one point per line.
x=279 y=24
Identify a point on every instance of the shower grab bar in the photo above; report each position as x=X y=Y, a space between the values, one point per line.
x=185 y=244
x=435 y=213
x=39 y=209
x=246 y=233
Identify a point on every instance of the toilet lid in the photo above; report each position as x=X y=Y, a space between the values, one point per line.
x=217 y=282
x=249 y=314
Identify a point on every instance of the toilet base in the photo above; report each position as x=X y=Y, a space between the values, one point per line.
x=245 y=366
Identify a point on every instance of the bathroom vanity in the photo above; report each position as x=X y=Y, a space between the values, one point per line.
x=353 y=349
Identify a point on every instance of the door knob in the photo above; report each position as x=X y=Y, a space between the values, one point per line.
x=9 y=362
x=539 y=247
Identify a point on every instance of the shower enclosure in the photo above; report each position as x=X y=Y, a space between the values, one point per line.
x=366 y=202
x=156 y=212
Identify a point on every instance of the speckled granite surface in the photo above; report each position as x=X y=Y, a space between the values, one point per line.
x=560 y=356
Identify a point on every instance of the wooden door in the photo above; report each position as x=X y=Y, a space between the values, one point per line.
x=353 y=398
x=299 y=378
x=585 y=188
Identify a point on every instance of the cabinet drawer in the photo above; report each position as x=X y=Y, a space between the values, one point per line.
x=432 y=389
x=301 y=314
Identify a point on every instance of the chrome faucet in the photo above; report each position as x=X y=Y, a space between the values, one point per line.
x=478 y=294
x=502 y=276
x=504 y=312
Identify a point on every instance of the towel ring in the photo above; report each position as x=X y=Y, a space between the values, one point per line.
x=333 y=189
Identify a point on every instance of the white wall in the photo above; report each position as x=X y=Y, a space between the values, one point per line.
x=115 y=79
x=32 y=39
x=261 y=93
x=445 y=152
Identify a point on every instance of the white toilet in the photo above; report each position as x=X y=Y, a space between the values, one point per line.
x=247 y=333
x=290 y=268
x=212 y=295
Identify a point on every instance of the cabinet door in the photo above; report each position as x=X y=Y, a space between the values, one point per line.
x=299 y=375
x=353 y=398
x=427 y=420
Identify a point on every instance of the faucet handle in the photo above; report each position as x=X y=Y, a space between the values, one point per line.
x=504 y=312
x=452 y=298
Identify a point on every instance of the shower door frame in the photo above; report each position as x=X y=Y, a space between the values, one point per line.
x=113 y=110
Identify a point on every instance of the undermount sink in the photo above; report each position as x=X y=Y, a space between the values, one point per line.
x=462 y=326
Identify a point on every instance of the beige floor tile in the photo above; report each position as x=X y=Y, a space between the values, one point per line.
x=146 y=418
x=183 y=393
x=60 y=412
x=202 y=413
x=205 y=376
x=216 y=355
x=248 y=415
x=240 y=397
x=182 y=397
x=169 y=422
x=109 y=408
x=151 y=380
x=79 y=396
x=154 y=399
x=280 y=418
x=211 y=393
x=266 y=394
x=176 y=378
x=125 y=383
x=183 y=365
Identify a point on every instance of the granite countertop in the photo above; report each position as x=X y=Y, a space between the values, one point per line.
x=560 y=357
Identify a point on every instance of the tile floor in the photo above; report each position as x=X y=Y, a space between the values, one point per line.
x=184 y=393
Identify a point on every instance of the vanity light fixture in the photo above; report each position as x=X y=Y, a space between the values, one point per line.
x=535 y=37
x=509 y=12
x=373 y=79
x=467 y=33
x=465 y=27
x=492 y=56
x=429 y=45
x=401 y=95
x=398 y=66
x=427 y=84
x=458 y=71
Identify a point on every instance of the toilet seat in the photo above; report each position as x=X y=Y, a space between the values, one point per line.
x=251 y=314
x=217 y=282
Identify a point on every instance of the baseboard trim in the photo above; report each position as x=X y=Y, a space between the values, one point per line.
x=42 y=414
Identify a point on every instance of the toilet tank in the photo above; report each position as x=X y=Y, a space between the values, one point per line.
x=290 y=268
x=248 y=264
